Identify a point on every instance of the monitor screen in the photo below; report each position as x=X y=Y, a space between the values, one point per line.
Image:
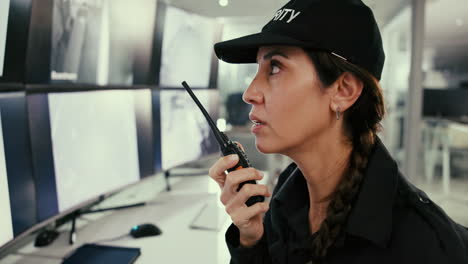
x=94 y=144
x=449 y=103
x=102 y=41
x=185 y=133
x=4 y=10
x=6 y=224
x=187 y=49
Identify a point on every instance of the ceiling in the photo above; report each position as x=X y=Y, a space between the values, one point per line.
x=447 y=33
x=211 y=8
x=383 y=9
x=442 y=16
x=441 y=22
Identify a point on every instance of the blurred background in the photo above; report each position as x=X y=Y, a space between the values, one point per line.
x=93 y=116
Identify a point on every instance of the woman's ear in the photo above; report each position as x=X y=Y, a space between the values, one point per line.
x=347 y=90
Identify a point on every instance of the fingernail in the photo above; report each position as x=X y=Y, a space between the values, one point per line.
x=233 y=157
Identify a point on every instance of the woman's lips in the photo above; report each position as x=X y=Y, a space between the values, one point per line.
x=258 y=123
x=256 y=127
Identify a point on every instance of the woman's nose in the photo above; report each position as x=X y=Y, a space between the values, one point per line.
x=253 y=94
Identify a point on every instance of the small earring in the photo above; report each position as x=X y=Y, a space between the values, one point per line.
x=338 y=114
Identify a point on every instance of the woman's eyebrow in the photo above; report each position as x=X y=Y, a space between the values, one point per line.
x=272 y=53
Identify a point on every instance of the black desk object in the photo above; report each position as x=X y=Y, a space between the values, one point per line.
x=99 y=254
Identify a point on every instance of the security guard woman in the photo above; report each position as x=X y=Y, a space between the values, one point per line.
x=316 y=99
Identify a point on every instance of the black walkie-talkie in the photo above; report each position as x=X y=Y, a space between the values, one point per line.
x=227 y=147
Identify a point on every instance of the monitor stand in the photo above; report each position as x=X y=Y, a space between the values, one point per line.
x=77 y=214
x=46 y=237
x=180 y=172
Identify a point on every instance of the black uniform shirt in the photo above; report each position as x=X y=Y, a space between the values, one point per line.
x=391 y=222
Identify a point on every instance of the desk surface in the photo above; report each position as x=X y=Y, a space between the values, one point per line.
x=172 y=211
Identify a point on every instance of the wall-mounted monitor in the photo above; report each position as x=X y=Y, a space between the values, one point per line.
x=187 y=49
x=85 y=147
x=185 y=134
x=95 y=42
x=63 y=151
x=94 y=144
x=449 y=103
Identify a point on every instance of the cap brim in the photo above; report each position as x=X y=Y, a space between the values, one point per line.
x=244 y=49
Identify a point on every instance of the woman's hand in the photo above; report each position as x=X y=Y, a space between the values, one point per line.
x=248 y=219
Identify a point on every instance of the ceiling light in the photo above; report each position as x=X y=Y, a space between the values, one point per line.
x=459 y=22
x=223 y=2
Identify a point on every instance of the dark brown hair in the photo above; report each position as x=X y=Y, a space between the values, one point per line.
x=361 y=124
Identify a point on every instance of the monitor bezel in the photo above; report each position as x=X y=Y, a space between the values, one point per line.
x=14 y=69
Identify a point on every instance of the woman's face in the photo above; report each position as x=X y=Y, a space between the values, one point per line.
x=287 y=98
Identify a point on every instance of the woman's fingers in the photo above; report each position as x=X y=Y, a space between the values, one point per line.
x=248 y=219
x=217 y=171
x=234 y=179
x=247 y=191
x=241 y=216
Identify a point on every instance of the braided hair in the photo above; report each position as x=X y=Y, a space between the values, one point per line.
x=361 y=124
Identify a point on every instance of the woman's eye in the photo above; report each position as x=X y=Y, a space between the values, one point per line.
x=274 y=68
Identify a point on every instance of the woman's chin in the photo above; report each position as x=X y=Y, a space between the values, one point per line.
x=264 y=147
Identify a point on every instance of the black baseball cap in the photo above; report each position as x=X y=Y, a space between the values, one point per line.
x=345 y=28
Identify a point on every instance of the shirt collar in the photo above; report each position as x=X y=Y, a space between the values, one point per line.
x=371 y=216
x=294 y=190
x=290 y=203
